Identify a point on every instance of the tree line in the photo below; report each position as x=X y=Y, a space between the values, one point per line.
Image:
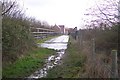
x=17 y=39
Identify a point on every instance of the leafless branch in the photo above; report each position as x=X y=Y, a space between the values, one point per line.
x=3 y=13
x=104 y=14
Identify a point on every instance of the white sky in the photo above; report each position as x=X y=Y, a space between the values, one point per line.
x=60 y=12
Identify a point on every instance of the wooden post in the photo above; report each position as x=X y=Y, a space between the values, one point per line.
x=114 y=66
x=93 y=58
x=93 y=53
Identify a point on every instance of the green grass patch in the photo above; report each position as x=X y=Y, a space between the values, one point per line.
x=26 y=65
x=72 y=63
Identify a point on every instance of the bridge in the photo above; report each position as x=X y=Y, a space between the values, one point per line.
x=42 y=32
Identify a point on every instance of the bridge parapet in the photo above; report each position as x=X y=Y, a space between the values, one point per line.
x=42 y=32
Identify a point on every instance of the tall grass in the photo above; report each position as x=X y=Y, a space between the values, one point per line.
x=99 y=64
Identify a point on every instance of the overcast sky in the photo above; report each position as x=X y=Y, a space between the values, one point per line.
x=60 y=12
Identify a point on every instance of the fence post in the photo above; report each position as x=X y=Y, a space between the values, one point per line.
x=93 y=40
x=114 y=66
x=93 y=59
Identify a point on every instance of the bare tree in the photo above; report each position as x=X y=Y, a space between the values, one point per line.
x=7 y=6
x=106 y=11
x=11 y=8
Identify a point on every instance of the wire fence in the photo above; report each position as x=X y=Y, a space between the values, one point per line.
x=96 y=67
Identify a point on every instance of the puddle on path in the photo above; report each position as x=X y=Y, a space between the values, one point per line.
x=60 y=45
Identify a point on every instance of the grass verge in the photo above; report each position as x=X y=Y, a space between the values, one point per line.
x=72 y=63
x=28 y=64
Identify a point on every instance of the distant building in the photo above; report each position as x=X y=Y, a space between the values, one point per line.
x=62 y=29
x=56 y=28
x=70 y=30
x=66 y=30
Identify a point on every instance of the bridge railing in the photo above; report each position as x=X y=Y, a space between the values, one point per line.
x=41 y=33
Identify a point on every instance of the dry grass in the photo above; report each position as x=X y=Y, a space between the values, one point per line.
x=96 y=66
